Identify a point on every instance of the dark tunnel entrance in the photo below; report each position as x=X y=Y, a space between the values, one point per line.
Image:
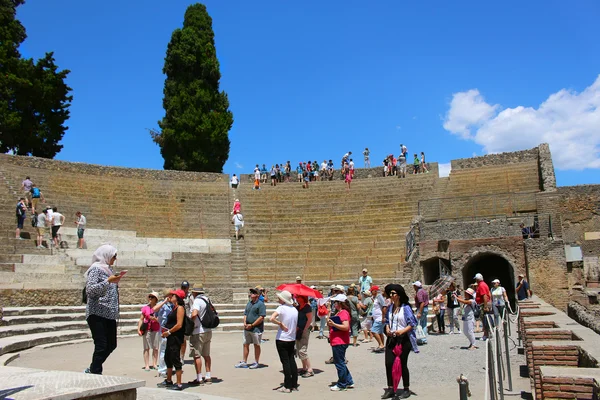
x=491 y=266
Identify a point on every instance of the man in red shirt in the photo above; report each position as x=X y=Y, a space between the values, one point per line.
x=483 y=298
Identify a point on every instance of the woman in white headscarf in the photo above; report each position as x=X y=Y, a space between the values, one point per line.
x=102 y=309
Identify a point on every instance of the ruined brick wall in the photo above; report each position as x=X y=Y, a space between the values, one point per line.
x=512 y=157
x=546 y=168
x=547 y=267
x=567 y=387
x=579 y=207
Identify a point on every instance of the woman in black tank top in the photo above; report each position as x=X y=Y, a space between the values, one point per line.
x=174 y=333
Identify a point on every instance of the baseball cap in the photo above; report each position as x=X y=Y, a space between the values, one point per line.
x=185 y=284
x=479 y=277
x=374 y=288
x=298 y=278
x=340 y=288
x=365 y=270
x=179 y=293
x=417 y=284
x=253 y=291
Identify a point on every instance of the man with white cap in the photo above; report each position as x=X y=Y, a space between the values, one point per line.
x=365 y=281
x=422 y=306
x=201 y=338
x=298 y=279
x=483 y=297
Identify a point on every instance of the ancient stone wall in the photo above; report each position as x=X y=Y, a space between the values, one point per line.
x=579 y=208
x=92 y=169
x=512 y=157
x=547 y=267
x=462 y=230
x=546 y=168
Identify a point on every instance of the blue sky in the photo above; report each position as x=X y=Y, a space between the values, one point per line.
x=314 y=79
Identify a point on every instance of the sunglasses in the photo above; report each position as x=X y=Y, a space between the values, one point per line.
x=393 y=293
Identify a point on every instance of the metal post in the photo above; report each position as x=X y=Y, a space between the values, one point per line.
x=500 y=366
x=463 y=388
x=508 y=371
x=491 y=371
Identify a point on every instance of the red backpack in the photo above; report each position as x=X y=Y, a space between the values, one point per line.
x=322 y=310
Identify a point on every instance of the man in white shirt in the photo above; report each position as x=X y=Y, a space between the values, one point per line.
x=238 y=224
x=324 y=166
x=200 y=339
x=81 y=222
x=57 y=221
x=365 y=281
x=234 y=181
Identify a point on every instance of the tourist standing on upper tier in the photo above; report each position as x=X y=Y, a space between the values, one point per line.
x=402 y=164
x=234 y=181
x=399 y=330
x=21 y=212
x=57 y=222
x=483 y=297
x=423 y=164
x=522 y=288
x=26 y=186
x=416 y=164
x=468 y=316
x=422 y=306
x=339 y=338
x=102 y=308
x=254 y=317
x=175 y=339
x=286 y=317
x=201 y=338
x=366 y=154
x=149 y=330
x=80 y=223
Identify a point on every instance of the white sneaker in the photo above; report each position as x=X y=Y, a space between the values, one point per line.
x=336 y=388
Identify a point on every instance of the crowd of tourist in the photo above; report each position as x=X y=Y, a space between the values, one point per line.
x=44 y=218
x=311 y=171
x=177 y=316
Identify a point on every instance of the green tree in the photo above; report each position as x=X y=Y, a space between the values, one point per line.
x=194 y=130
x=34 y=98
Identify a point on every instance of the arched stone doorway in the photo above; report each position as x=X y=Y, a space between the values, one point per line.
x=431 y=270
x=491 y=266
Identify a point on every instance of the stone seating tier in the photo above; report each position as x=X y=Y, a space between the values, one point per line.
x=155 y=208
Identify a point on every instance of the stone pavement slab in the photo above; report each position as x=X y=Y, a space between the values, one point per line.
x=36 y=384
x=433 y=371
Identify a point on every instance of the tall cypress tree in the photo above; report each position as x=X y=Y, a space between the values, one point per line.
x=194 y=130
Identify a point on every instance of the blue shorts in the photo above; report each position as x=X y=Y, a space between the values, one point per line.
x=377 y=327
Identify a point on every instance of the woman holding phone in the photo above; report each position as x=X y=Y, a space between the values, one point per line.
x=102 y=308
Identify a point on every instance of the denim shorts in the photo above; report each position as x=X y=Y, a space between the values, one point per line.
x=377 y=327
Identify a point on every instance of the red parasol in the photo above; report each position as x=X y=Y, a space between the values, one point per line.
x=299 y=289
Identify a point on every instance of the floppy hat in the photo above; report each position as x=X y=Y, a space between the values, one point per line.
x=367 y=292
x=365 y=270
x=286 y=297
x=470 y=291
x=340 y=287
x=154 y=294
x=298 y=278
x=198 y=290
x=339 y=297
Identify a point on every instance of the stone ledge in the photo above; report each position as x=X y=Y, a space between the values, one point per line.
x=34 y=384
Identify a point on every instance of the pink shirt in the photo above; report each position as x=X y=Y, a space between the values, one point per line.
x=153 y=326
x=337 y=337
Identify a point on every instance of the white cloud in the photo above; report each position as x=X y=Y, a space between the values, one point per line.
x=444 y=169
x=238 y=165
x=567 y=120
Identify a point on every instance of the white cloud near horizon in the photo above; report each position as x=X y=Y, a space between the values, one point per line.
x=444 y=169
x=238 y=165
x=567 y=120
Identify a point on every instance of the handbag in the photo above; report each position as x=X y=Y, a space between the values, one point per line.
x=144 y=328
x=420 y=333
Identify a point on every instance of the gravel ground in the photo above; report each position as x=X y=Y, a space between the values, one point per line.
x=433 y=371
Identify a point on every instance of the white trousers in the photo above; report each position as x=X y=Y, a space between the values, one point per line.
x=469 y=331
x=453 y=317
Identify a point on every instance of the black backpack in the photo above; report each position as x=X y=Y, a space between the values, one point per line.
x=188 y=325
x=34 y=221
x=210 y=319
